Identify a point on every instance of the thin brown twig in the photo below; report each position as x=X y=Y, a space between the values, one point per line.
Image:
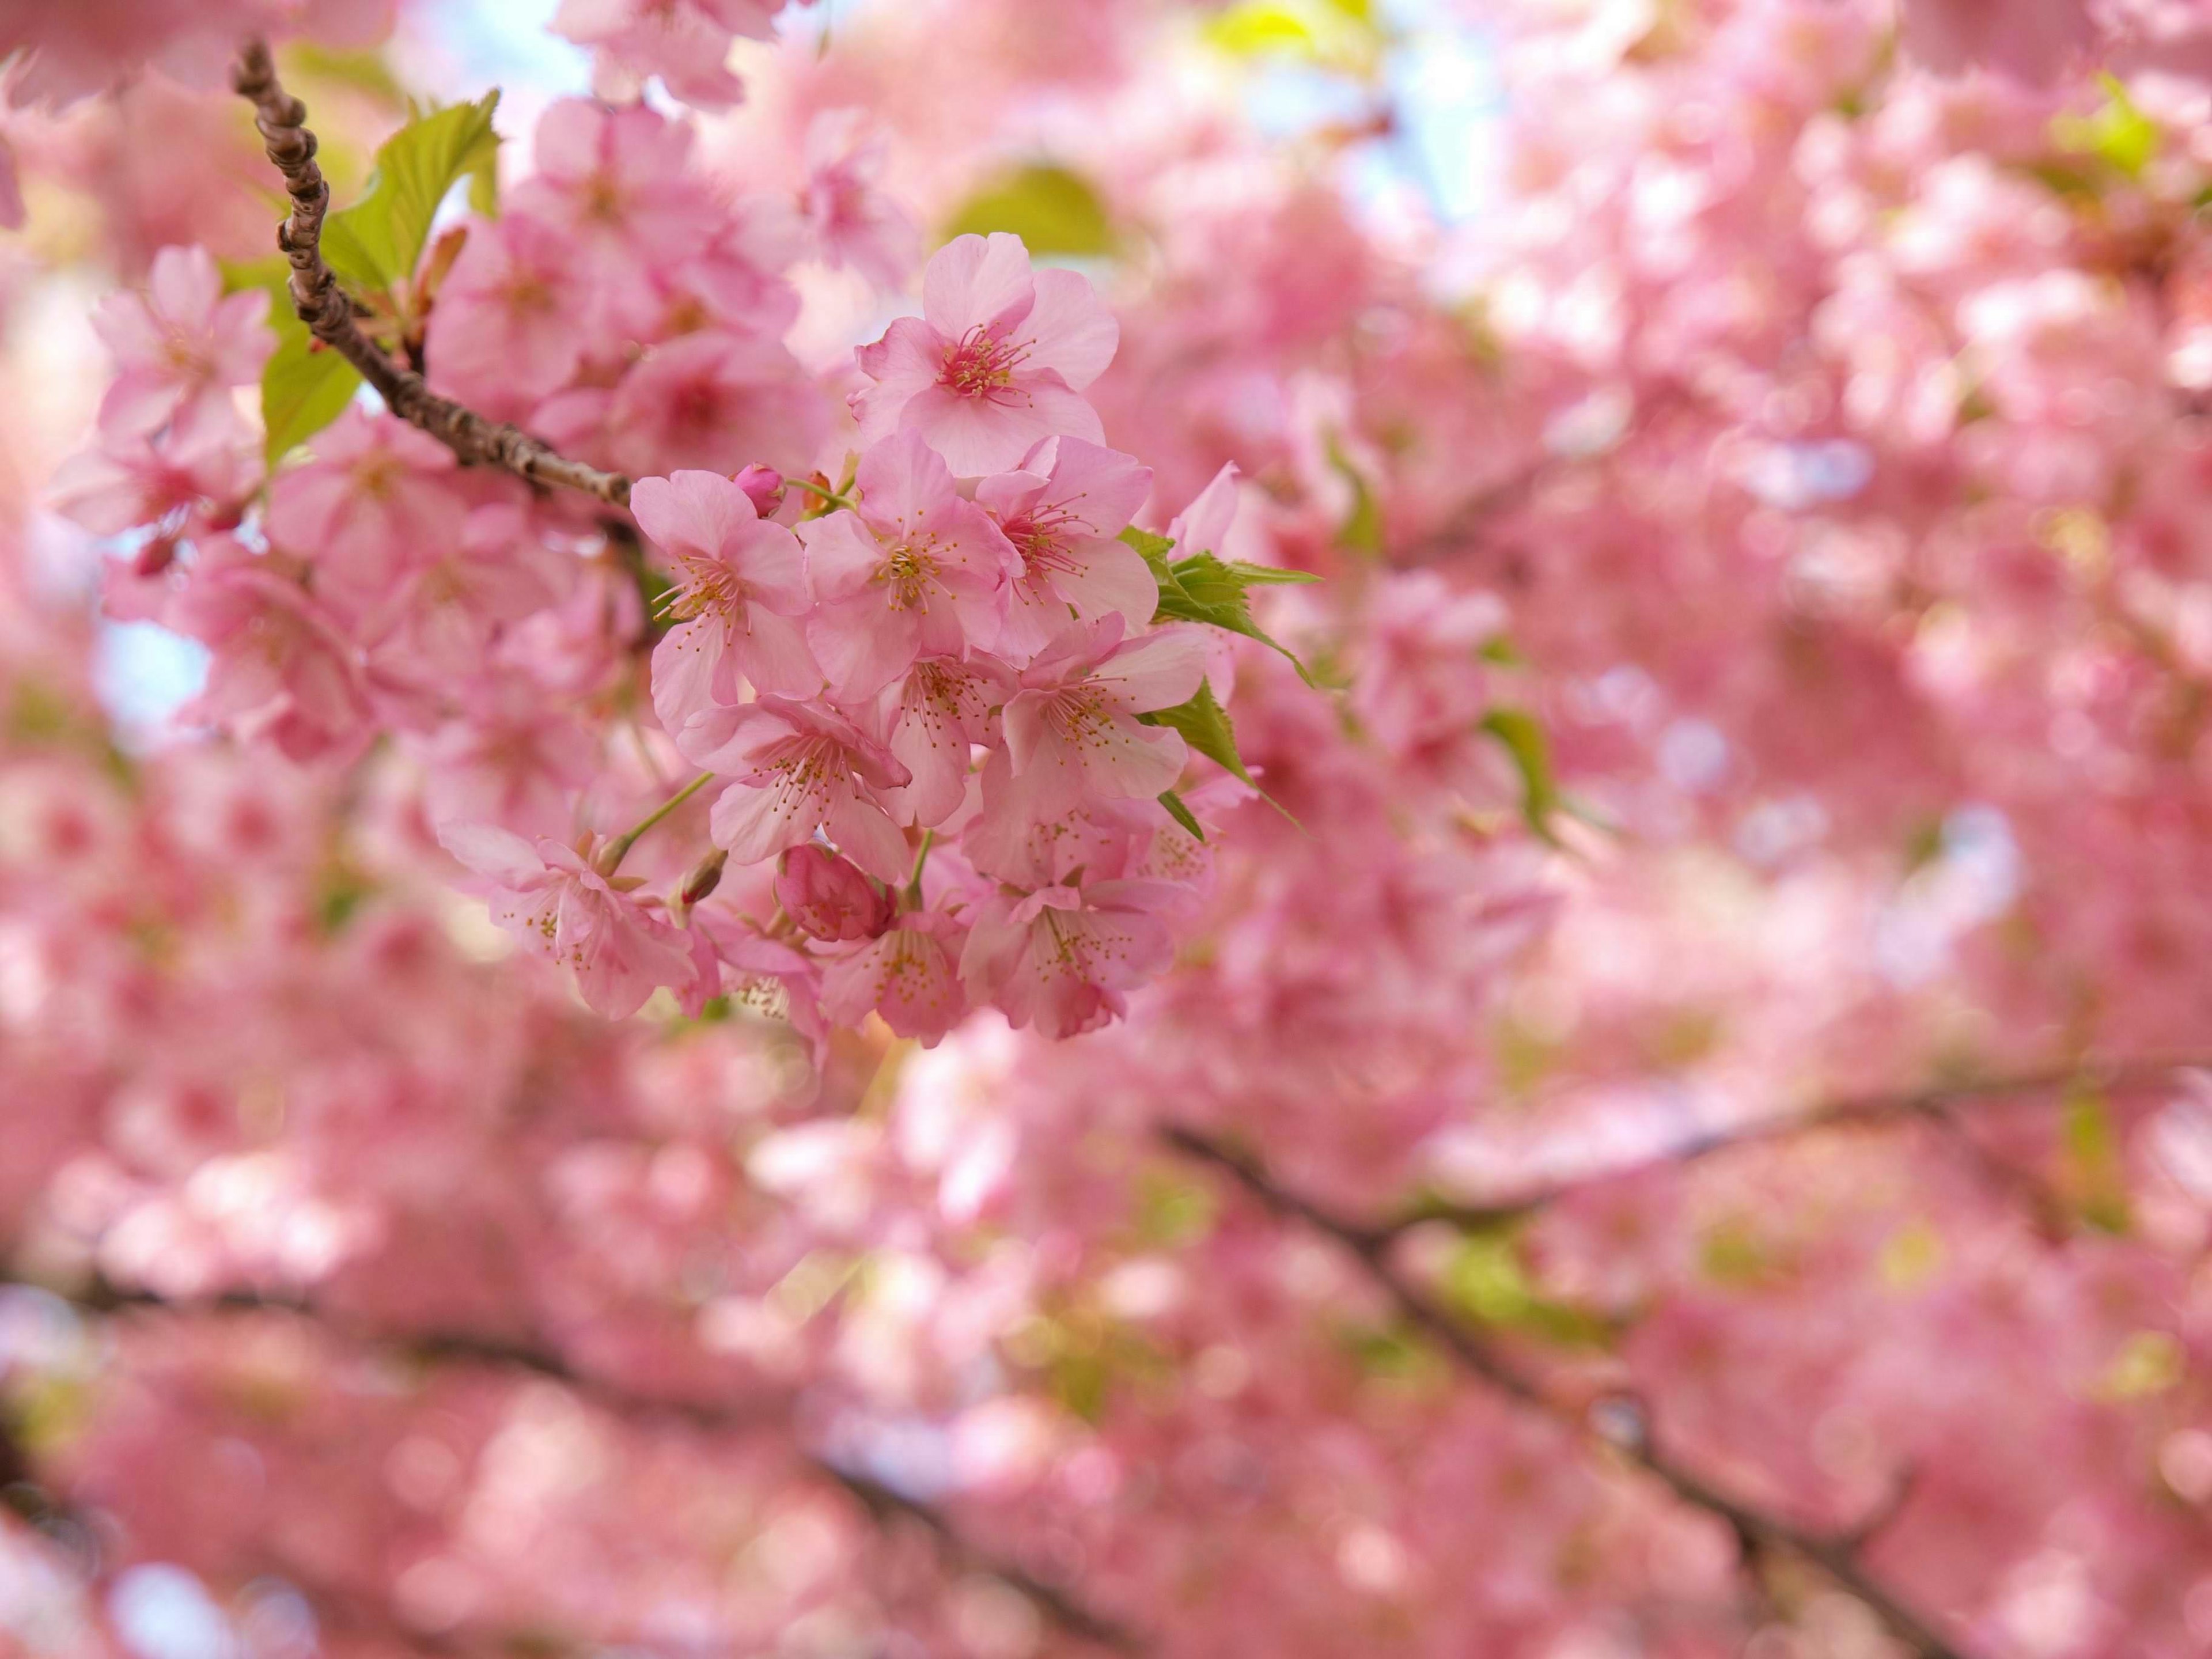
x=1838 y=1558
x=329 y=314
x=1938 y=1105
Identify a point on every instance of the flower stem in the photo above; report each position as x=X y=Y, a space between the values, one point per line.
x=618 y=848
x=829 y=498
x=921 y=857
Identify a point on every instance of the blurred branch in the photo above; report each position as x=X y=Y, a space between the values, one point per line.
x=1938 y=1105
x=329 y=314
x=100 y=1296
x=1618 y=1424
x=886 y=1505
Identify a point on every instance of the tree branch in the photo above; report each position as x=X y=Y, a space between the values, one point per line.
x=886 y=1505
x=1938 y=1105
x=328 y=315
x=1622 y=1428
x=102 y=1297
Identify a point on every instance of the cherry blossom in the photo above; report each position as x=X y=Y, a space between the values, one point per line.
x=997 y=361
x=738 y=586
x=798 y=768
x=914 y=570
x=685 y=42
x=1062 y=958
x=853 y=223
x=181 y=342
x=550 y=898
x=1072 y=730
x=1063 y=510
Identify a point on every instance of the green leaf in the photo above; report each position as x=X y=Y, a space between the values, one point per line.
x=1269 y=575
x=1531 y=750
x=1051 y=208
x=1205 y=727
x=305 y=386
x=1155 y=548
x=2119 y=134
x=1332 y=34
x=375 y=243
x=1181 y=813
x=1485 y=1278
x=1203 y=589
x=1362 y=529
x=2096 y=1176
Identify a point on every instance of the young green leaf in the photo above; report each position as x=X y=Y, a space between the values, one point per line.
x=1205 y=589
x=1269 y=575
x=1362 y=529
x=375 y=244
x=1052 y=209
x=1181 y=813
x=1205 y=727
x=1531 y=750
x=304 y=387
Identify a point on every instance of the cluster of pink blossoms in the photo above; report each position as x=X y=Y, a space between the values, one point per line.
x=837 y=680
x=922 y=695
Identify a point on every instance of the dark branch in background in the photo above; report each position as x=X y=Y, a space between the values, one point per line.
x=1617 y=1424
x=1939 y=1106
x=102 y=1297
x=887 y=1505
x=328 y=315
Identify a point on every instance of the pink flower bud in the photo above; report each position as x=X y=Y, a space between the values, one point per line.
x=764 y=485
x=705 y=877
x=829 y=898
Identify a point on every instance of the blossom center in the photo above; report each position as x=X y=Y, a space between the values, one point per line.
x=979 y=365
x=907 y=570
x=702 y=587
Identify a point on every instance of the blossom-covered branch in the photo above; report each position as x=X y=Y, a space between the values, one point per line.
x=329 y=314
x=101 y=1296
x=1619 y=1425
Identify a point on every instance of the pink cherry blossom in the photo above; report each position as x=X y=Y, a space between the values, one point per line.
x=1072 y=730
x=685 y=42
x=737 y=586
x=505 y=762
x=1063 y=510
x=1061 y=959
x=798 y=768
x=180 y=342
x=611 y=183
x=207 y=463
x=914 y=570
x=282 y=667
x=997 y=361
x=1204 y=526
x=550 y=900
x=373 y=506
x=712 y=400
x=827 y=898
x=439 y=627
x=853 y=223
x=938 y=710
x=909 y=974
x=504 y=332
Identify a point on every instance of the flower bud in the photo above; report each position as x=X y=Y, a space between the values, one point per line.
x=706 y=876
x=764 y=485
x=829 y=898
